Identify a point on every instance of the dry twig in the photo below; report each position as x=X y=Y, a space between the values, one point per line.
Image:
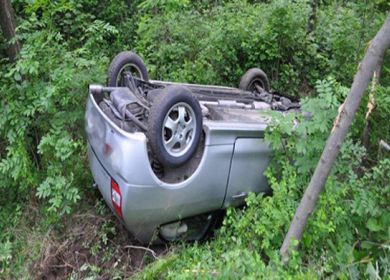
x=143 y=248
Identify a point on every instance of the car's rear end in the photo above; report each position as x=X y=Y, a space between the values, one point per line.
x=110 y=150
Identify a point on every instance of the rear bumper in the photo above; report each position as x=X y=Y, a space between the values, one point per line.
x=137 y=218
x=146 y=207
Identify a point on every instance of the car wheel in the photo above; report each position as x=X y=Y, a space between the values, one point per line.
x=174 y=125
x=125 y=62
x=254 y=80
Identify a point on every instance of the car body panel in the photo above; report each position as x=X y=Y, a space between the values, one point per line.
x=250 y=159
x=147 y=201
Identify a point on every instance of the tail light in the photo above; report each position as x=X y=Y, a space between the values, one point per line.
x=116 y=198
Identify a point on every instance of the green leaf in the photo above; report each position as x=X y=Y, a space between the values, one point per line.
x=374 y=225
x=17 y=77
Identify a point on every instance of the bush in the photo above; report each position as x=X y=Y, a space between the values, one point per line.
x=42 y=118
x=79 y=21
x=342 y=34
x=216 y=46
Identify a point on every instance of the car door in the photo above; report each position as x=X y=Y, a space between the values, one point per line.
x=250 y=159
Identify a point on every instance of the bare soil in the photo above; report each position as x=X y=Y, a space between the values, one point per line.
x=92 y=244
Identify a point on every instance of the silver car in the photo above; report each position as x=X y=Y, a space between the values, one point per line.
x=167 y=157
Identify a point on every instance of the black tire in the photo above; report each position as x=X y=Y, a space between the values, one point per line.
x=187 y=127
x=125 y=61
x=253 y=77
x=152 y=94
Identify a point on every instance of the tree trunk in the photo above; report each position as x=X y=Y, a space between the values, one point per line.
x=8 y=26
x=372 y=58
x=313 y=16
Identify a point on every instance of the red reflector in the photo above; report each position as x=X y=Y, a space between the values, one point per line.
x=116 y=197
x=107 y=149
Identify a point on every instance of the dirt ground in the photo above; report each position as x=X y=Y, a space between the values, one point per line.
x=92 y=244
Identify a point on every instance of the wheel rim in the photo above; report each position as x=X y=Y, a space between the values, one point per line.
x=131 y=68
x=257 y=82
x=178 y=129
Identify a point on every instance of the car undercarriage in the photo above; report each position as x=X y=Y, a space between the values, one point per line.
x=168 y=156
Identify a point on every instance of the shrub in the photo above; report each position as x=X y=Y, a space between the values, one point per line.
x=342 y=33
x=42 y=118
x=217 y=45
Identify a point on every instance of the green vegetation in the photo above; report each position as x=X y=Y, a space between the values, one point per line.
x=67 y=44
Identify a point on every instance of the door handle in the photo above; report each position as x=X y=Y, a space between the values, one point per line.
x=239 y=195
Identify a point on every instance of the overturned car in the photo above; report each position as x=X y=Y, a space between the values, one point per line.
x=167 y=157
